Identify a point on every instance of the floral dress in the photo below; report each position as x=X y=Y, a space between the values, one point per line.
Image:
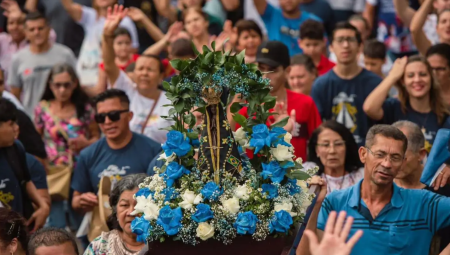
x=55 y=144
x=108 y=243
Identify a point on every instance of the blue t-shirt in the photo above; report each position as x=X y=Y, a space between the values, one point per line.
x=342 y=100
x=280 y=28
x=10 y=190
x=37 y=172
x=427 y=121
x=322 y=9
x=100 y=160
x=405 y=226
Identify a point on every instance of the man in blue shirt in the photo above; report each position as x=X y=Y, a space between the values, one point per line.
x=394 y=220
x=340 y=93
x=119 y=153
x=284 y=24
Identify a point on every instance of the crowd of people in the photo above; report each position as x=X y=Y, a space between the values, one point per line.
x=365 y=84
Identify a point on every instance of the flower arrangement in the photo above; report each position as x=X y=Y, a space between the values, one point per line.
x=182 y=202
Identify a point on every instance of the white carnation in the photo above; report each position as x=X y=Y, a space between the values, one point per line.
x=240 y=136
x=167 y=159
x=231 y=205
x=242 y=192
x=205 y=231
x=282 y=153
x=286 y=206
x=190 y=199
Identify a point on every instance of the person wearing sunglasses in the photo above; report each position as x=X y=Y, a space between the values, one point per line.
x=119 y=153
x=65 y=121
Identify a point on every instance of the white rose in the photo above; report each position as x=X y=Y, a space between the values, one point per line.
x=167 y=159
x=240 y=136
x=302 y=184
x=286 y=206
x=146 y=206
x=282 y=153
x=231 y=205
x=288 y=138
x=241 y=192
x=205 y=231
x=189 y=199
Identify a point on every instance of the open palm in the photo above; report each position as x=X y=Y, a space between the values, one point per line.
x=113 y=18
x=334 y=241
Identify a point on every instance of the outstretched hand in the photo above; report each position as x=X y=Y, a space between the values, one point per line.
x=281 y=109
x=335 y=236
x=398 y=69
x=11 y=8
x=113 y=18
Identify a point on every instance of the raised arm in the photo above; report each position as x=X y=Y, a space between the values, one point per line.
x=161 y=45
x=138 y=16
x=419 y=38
x=404 y=12
x=74 y=10
x=260 y=5
x=113 y=19
x=369 y=14
x=373 y=106
x=165 y=9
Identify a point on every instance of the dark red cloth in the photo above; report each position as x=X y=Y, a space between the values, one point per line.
x=325 y=65
x=133 y=59
x=307 y=119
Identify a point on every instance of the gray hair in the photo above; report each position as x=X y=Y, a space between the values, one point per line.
x=129 y=182
x=387 y=131
x=416 y=139
x=50 y=237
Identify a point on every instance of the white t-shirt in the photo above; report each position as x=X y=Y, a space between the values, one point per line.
x=141 y=107
x=429 y=28
x=90 y=52
x=13 y=99
x=338 y=183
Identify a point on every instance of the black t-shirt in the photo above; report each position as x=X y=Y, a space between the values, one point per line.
x=29 y=137
x=443 y=233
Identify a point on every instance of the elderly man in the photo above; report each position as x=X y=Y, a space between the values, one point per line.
x=409 y=175
x=394 y=220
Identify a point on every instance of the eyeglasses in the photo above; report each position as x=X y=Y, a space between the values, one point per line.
x=380 y=155
x=112 y=116
x=341 y=40
x=439 y=69
x=336 y=144
x=58 y=85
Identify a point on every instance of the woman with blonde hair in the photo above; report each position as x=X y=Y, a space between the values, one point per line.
x=419 y=98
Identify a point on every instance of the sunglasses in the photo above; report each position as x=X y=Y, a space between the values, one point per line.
x=112 y=116
x=58 y=85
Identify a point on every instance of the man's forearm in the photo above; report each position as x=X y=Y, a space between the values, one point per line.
x=303 y=247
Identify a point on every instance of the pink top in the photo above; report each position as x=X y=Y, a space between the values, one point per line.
x=8 y=48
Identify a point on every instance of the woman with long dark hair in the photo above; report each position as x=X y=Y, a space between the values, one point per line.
x=13 y=233
x=65 y=120
x=333 y=149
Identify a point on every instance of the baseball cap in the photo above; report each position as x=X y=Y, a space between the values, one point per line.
x=273 y=54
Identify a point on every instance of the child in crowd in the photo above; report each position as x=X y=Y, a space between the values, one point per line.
x=374 y=56
x=312 y=42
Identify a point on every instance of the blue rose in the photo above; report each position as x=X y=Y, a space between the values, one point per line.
x=271 y=190
x=170 y=193
x=280 y=222
x=277 y=137
x=144 y=192
x=274 y=171
x=260 y=137
x=173 y=172
x=170 y=220
x=246 y=223
x=176 y=143
x=141 y=227
x=203 y=213
x=211 y=191
x=292 y=187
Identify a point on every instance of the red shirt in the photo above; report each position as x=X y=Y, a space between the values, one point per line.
x=307 y=120
x=133 y=59
x=325 y=65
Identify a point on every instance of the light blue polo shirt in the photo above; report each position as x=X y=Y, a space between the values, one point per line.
x=405 y=226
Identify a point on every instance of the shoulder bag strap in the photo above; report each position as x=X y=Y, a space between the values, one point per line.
x=149 y=114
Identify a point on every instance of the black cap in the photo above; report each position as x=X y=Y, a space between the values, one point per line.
x=273 y=54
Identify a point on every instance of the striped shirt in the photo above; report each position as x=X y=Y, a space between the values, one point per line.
x=405 y=226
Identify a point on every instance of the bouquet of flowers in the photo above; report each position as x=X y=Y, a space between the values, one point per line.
x=182 y=201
